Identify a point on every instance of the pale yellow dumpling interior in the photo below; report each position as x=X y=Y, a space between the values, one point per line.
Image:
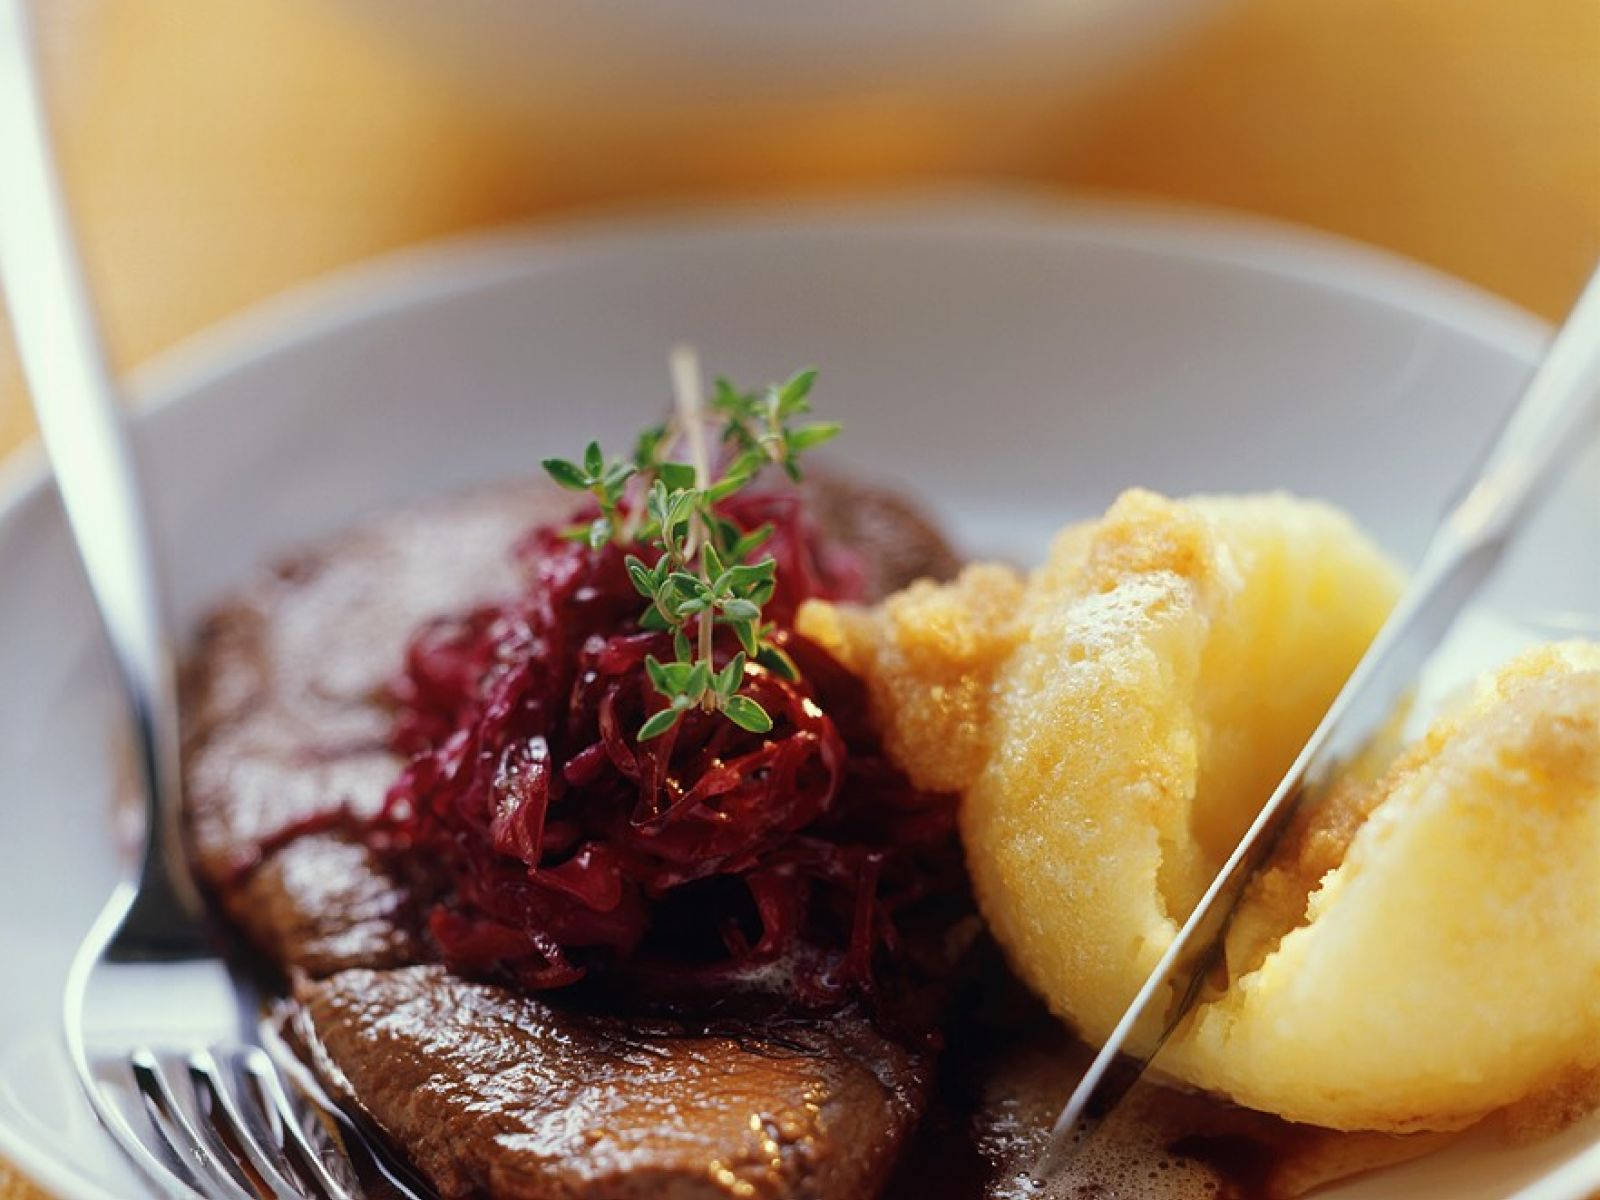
x=1114 y=720
x=1449 y=965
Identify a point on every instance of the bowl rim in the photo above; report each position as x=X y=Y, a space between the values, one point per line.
x=436 y=269
x=429 y=272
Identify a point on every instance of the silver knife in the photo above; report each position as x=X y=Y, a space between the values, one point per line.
x=1548 y=424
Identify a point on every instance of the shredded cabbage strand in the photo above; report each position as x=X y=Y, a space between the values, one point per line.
x=555 y=845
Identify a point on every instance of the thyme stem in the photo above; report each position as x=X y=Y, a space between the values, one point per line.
x=686 y=389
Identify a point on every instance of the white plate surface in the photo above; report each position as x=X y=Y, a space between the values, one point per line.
x=1015 y=363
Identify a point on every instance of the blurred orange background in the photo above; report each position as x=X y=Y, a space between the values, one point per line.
x=216 y=152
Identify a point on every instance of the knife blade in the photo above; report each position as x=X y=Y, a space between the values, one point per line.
x=1545 y=428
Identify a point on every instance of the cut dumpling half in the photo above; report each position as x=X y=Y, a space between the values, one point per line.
x=1449 y=964
x=1427 y=947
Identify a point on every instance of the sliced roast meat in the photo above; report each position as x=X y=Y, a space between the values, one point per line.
x=286 y=731
x=516 y=1097
x=323 y=902
x=492 y=1094
x=285 y=727
x=897 y=543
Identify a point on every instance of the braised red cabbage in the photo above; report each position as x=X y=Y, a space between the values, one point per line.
x=559 y=846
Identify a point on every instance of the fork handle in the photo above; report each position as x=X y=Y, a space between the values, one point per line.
x=86 y=439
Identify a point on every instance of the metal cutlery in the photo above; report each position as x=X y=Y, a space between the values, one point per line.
x=163 y=1030
x=1557 y=407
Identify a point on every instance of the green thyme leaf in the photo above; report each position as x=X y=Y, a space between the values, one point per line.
x=681 y=676
x=813 y=435
x=659 y=723
x=791 y=395
x=743 y=547
x=731 y=676
x=733 y=481
x=741 y=470
x=745 y=631
x=568 y=475
x=747 y=714
x=616 y=477
x=712 y=562
x=728 y=400
x=644 y=582
x=750 y=575
x=647 y=448
x=699 y=679
x=677 y=476
x=778 y=662
x=656 y=501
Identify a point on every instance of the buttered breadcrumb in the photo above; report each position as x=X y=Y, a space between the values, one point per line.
x=1426 y=948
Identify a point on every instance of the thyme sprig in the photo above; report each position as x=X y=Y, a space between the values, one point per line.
x=606 y=481
x=761 y=425
x=703 y=575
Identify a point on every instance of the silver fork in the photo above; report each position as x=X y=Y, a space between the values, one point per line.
x=165 y=1037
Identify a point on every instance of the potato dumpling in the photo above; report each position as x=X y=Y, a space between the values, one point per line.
x=1113 y=722
x=1449 y=964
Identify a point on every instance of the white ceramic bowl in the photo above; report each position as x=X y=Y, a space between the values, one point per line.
x=1015 y=363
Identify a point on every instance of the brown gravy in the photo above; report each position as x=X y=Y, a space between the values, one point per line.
x=1009 y=1067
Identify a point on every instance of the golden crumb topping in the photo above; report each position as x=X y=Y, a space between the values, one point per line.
x=1426 y=946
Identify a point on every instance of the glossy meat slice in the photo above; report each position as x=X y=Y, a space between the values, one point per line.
x=284 y=723
x=898 y=543
x=323 y=903
x=491 y=1094
x=285 y=730
x=521 y=1099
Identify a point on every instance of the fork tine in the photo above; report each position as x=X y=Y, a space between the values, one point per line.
x=239 y=1112
x=122 y=1108
x=188 y=1134
x=260 y=1068
x=373 y=1160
